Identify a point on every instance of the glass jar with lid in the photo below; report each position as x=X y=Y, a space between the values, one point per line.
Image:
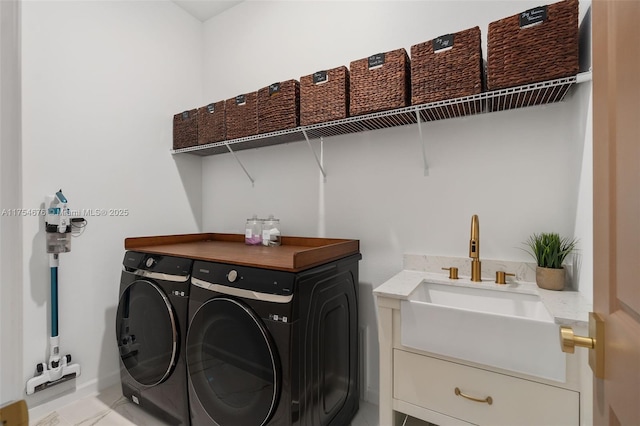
x=253 y=231
x=271 y=232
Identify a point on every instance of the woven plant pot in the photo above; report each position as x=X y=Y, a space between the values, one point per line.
x=550 y=278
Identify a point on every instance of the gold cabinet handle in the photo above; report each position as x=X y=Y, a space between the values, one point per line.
x=488 y=399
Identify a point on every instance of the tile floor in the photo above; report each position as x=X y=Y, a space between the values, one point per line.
x=110 y=408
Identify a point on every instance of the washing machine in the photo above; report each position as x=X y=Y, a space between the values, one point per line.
x=271 y=347
x=151 y=326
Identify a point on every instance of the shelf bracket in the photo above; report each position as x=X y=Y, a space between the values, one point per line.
x=241 y=165
x=306 y=137
x=424 y=148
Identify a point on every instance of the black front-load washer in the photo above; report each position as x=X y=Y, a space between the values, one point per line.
x=151 y=326
x=268 y=347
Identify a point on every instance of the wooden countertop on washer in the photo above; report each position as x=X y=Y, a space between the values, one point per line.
x=294 y=255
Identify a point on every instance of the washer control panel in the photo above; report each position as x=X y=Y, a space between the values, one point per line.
x=168 y=265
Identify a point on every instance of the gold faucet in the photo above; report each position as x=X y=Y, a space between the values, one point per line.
x=474 y=249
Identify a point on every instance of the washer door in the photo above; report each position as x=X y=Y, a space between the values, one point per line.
x=232 y=362
x=147 y=333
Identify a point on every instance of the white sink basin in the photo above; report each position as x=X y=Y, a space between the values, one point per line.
x=503 y=329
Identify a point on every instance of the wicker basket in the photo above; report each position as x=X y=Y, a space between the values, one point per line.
x=211 y=127
x=241 y=116
x=324 y=96
x=542 y=51
x=279 y=106
x=380 y=82
x=446 y=67
x=185 y=129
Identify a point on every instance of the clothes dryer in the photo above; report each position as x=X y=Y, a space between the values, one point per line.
x=270 y=347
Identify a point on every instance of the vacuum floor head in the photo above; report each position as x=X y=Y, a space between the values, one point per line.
x=52 y=377
x=47 y=385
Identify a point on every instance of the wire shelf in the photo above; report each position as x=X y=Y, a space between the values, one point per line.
x=498 y=100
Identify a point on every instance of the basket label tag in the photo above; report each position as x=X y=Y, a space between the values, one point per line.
x=442 y=43
x=274 y=88
x=185 y=115
x=376 y=61
x=211 y=108
x=241 y=99
x=534 y=16
x=320 y=77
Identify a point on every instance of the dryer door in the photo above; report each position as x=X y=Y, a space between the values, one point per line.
x=233 y=364
x=147 y=333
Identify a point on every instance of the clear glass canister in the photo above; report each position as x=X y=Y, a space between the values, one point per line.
x=253 y=231
x=271 y=232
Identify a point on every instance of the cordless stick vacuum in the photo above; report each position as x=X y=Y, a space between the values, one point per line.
x=58 y=223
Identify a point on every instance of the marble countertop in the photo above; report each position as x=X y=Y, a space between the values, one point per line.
x=567 y=307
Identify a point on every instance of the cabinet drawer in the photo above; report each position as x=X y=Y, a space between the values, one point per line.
x=431 y=383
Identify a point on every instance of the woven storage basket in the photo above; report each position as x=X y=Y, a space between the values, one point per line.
x=241 y=116
x=279 y=106
x=380 y=87
x=324 y=96
x=446 y=67
x=211 y=127
x=543 y=51
x=185 y=129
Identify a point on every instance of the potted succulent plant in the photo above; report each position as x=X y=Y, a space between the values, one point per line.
x=549 y=250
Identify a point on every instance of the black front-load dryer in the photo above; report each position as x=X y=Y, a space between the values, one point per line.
x=151 y=326
x=268 y=347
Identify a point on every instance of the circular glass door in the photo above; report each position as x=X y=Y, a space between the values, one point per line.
x=146 y=332
x=232 y=363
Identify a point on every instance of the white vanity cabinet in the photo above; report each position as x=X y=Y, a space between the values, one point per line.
x=423 y=385
x=431 y=383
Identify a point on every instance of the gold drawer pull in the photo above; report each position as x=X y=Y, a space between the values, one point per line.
x=488 y=399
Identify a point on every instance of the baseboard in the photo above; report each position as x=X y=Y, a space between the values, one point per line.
x=41 y=405
x=372 y=396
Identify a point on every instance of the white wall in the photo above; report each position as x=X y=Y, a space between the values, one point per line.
x=10 y=192
x=518 y=170
x=101 y=82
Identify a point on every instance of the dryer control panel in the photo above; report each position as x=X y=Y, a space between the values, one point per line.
x=246 y=278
